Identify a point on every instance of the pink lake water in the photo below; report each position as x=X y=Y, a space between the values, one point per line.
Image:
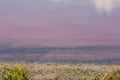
x=60 y=23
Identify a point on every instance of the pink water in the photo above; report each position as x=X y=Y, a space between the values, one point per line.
x=59 y=23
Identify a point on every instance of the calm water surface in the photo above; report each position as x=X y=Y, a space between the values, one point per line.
x=59 y=23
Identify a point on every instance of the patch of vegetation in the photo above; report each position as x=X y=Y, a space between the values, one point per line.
x=14 y=72
x=114 y=75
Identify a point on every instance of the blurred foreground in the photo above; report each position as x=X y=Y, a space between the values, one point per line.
x=34 y=71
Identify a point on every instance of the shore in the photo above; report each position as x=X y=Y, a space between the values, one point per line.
x=65 y=71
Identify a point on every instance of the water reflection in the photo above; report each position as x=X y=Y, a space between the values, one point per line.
x=104 y=5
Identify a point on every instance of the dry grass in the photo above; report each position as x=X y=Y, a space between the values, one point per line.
x=68 y=71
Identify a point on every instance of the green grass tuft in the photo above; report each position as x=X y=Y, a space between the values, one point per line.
x=14 y=72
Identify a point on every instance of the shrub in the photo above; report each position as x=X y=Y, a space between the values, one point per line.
x=14 y=72
x=114 y=75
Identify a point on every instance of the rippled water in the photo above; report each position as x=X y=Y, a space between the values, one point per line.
x=58 y=23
